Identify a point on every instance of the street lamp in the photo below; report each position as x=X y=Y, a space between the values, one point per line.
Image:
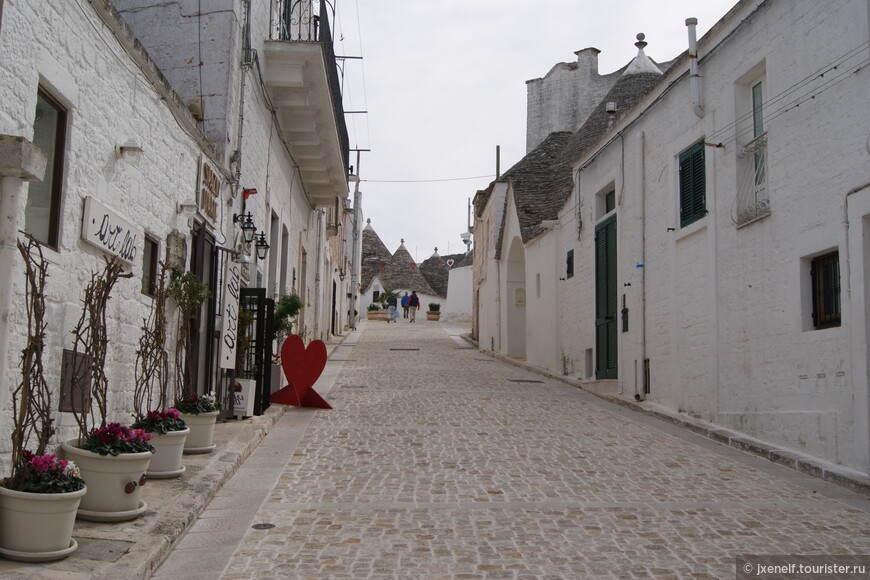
x=262 y=246
x=248 y=227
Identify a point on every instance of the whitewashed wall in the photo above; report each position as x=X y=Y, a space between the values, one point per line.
x=727 y=327
x=459 y=295
x=68 y=49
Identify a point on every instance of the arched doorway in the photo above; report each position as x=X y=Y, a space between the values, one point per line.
x=516 y=300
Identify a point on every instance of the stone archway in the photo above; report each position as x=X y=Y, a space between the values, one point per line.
x=516 y=300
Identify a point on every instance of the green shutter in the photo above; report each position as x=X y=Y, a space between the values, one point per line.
x=693 y=203
x=605 y=300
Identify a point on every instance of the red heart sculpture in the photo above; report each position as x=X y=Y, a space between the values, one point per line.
x=302 y=367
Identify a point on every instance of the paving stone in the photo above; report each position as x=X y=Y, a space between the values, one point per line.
x=442 y=467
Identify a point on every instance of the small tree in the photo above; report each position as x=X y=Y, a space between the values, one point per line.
x=152 y=360
x=31 y=399
x=90 y=348
x=189 y=294
x=286 y=309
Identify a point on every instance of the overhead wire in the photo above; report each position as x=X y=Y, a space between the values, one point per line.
x=426 y=180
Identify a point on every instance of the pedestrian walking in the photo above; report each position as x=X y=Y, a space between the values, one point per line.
x=392 y=313
x=405 y=299
x=413 y=305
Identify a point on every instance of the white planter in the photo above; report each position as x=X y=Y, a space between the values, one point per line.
x=114 y=483
x=201 y=426
x=168 y=450
x=37 y=527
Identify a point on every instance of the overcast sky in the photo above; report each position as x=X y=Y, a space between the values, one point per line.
x=444 y=82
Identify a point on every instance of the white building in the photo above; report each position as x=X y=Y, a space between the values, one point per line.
x=702 y=242
x=176 y=156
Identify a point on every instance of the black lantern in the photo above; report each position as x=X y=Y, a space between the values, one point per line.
x=262 y=246
x=248 y=227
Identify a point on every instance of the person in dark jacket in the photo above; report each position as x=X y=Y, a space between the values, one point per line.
x=405 y=299
x=413 y=305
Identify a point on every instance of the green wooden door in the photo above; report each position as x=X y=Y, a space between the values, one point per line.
x=605 y=299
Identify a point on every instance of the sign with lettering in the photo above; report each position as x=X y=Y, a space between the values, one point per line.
x=107 y=230
x=232 y=277
x=209 y=189
x=243 y=397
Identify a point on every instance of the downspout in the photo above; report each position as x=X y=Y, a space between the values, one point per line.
x=694 y=77
x=247 y=63
x=318 y=282
x=640 y=394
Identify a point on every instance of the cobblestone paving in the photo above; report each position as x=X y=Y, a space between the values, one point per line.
x=437 y=464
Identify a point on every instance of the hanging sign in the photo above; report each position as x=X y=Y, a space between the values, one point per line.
x=107 y=230
x=209 y=189
x=232 y=277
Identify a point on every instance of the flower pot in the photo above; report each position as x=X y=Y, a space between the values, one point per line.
x=168 y=450
x=377 y=314
x=431 y=315
x=37 y=527
x=114 y=483
x=201 y=426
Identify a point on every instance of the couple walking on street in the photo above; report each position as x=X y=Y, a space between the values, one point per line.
x=410 y=305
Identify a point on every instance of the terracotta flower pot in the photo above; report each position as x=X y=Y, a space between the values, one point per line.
x=37 y=527
x=114 y=483
x=201 y=435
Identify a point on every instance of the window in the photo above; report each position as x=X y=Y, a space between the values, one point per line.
x=825 y=274
x=42 y=213
x=609 y=201
x=758 y=131
x=751 y=135
x=692 y=193
x=569 y=267
x=375 y=295
x=149 y=266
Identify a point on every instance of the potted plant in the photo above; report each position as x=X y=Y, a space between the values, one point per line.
x=151 y=393
x=189 y=294
x=199 y=413
x=434 y=312
x=287 y=307
x=374 y=312
x=169 y=434
x=112 y=459
x=40 y=497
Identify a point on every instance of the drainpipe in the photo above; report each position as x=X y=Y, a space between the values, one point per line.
x=695 y=78
x=640 y=394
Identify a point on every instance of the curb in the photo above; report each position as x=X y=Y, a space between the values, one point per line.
x=176 y=515
x=808 y=465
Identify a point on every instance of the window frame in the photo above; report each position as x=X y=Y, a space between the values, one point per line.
x=827 y=306
x=56 y=168
x=151 y=271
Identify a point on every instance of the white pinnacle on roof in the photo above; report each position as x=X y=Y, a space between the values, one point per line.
x=641 y=63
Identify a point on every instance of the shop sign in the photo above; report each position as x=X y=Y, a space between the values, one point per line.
x=110 y=232
x=232 y=278
x=209 y=190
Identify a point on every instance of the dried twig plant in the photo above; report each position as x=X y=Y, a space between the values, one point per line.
x=90 y=347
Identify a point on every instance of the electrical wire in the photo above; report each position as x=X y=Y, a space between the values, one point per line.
x=426 y=180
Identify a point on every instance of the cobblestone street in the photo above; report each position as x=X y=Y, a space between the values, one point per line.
x=440 y=462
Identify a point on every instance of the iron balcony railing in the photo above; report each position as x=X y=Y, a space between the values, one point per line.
x=308 y=21
x=752 y=195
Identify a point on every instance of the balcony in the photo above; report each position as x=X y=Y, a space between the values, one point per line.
x=301 y=76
